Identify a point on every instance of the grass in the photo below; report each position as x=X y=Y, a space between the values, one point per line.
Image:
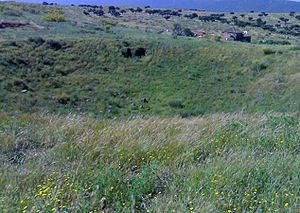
x=87 y=125
x=201 y=76
x=179 y=76
x=219 y=163
x=77 y=24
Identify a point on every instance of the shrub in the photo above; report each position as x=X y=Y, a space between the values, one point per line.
x=188 y=32
x=56 y=15
x=54 y=44
x=259 y=66
x=269 y=51
x=292 y=13
x=127 y=53
x=63 y=99
x=37 y=40
x=176 y=104
x=106 y=28
x=217 y=38
x=108 y=22
x=177 y=30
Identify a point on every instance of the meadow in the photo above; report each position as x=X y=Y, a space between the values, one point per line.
x=217 y=163
x=109 y=113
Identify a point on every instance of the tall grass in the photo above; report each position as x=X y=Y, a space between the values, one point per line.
x=217 y=163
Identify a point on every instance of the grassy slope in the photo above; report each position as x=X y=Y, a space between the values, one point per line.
x=143 y=21
x=178 y=76
x=217 y=163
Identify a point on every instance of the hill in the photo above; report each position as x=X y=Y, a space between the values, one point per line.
x=181 y=76
x=209 y=5
x=217 y=5
x=174 y=76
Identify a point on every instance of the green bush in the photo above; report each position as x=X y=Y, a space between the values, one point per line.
x=269 y=51
x=63 y=99
x=188 y=32
x=106 y=28
x=176 y=104
x=56 y=15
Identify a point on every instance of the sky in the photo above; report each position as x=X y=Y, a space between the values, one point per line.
x=97 y=2
x=93 y=2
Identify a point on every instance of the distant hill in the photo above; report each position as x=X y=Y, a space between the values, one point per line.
x=216 y=5
x=209 y=5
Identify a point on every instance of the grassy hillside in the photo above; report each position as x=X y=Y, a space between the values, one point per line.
x=217 y=163
x=177 y=76
x=80 y=65
x=87 y=21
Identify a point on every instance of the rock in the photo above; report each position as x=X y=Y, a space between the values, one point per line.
x=144 y=100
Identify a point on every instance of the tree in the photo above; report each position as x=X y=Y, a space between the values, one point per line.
x=177 y=30
x=292 y=14
x=188 y=32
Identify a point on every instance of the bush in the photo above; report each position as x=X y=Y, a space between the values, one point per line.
x=54 y=44
x=259 y=66
x=217 y=38
x=176 y=104
x=37 y=40
x=127 y=53
x=56 y=15
x=269 y=51
x=106 y=28
x=63 y=99
x=188 y=32
x=177 y=30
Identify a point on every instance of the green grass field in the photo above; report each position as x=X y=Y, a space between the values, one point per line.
x=194 y=125
x=217 y=163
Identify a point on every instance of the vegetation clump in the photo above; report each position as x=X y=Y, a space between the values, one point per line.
x=55 y=15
